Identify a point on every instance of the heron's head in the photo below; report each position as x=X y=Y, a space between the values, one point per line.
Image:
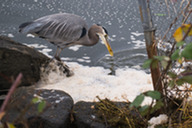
x=103 y=35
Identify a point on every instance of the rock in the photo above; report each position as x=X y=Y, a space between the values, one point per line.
x=89 y=115
x=23 y=112
x=16 y=58
x=85 y=115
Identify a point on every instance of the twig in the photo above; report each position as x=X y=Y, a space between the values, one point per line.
x=149 y=111
x=170 y=62
x=12 y=89
x=174 y=7
x=106 y=124
x=188 y=31
x=175 y=20
x=167 y=7
x=186 y=9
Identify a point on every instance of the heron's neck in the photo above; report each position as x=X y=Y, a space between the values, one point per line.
x=92 y=37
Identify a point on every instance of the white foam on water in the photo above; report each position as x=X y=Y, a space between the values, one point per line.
x=89 y=82
x=30 y=35
x=138 y=44
x=36 y=45
x=137 y=33
x=46 y=51
x=75 y=48
x=66 y=59
x=132 y=37
x=86 y=57
x=80 y=60
x=83 y=60
x=10 y=35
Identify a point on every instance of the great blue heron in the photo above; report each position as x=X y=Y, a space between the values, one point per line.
x=64 y=30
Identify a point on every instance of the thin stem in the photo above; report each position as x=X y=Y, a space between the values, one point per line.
x=12 y=89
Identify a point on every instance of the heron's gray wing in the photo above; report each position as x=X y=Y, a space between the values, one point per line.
x=30 y=27
x=57 y=27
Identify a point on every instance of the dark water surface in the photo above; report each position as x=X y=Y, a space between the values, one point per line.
x=120 y=17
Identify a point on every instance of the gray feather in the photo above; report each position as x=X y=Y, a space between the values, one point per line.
x=64 y=30
x=62 y=27
x=29 y=28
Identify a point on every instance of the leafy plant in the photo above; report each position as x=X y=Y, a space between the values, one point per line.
x=184 y=28
x=176 y=76
x=181 y=55
x=41 y=103
x=147 y=109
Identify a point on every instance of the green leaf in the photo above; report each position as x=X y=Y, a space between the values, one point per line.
x=41 y=106
x=185 y=79
x=180 y=43
x=147 y=63
x=157 y=106
x=172 y=75
x=153 y=94
x=185 y=28
x=171 y=84
x=187 y=52
x=160 y=14
x=164 y=64
x=160 y=58
x=175 y=55
x=154 y=63
x=144 y=110
x=10 y=125
x=180 y=82
x=137 y=101
x=35 y=100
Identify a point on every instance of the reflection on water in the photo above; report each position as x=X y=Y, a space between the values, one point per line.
x=132 y=58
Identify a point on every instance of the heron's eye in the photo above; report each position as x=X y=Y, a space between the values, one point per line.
x=105 y=30
x=106 y=36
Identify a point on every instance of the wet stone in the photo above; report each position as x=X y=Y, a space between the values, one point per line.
x=22 y=112
x=17 y=58
x=91 y=115
x=85 y=115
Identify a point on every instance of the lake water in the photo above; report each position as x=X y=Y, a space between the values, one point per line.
x=122 y=20
x=120 y=17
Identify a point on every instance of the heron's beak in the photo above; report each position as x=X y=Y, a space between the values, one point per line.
x=105 y=41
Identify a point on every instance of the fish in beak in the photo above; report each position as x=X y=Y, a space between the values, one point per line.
x=104 y=38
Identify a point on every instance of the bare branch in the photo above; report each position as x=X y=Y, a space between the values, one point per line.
x=12 y=89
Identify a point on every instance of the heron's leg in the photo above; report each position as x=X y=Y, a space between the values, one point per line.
x=58 y=52
x=61 y=64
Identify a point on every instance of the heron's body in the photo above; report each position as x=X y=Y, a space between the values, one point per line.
x=64 y=30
